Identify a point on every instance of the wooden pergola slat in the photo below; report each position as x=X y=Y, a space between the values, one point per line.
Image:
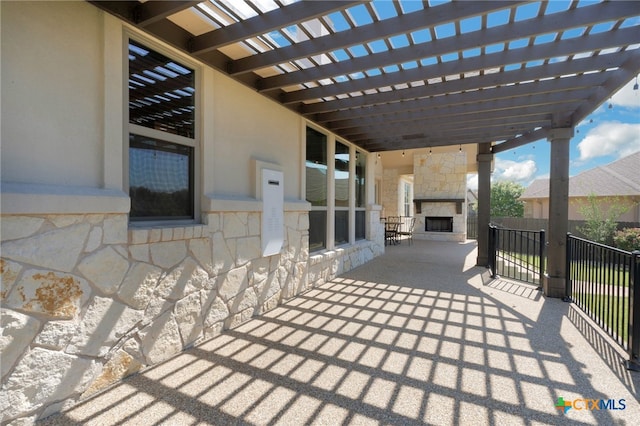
x=261 y=24
x=378 y=30
x=502 y=34
x=565 y=63
x=494 y=60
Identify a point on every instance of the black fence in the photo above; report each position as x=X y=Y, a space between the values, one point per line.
x=517 y=254
x=533 y=225
x=472 y=227
x=604 y=282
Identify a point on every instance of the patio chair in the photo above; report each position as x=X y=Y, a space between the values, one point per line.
x=391 y=226
x=407 y=229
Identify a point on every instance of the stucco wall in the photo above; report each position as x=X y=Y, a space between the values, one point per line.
x=52 y=71
x=248 y=126
x=53 y=106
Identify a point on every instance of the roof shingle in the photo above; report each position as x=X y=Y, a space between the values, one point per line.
x=614 y=179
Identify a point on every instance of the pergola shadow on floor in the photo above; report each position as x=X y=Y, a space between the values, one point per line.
x=417 y=336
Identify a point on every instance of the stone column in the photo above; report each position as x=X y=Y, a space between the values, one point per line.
x=555 y=278
x=484 y=205
x=390 y=192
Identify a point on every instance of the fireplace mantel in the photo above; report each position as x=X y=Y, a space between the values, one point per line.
x=418 y=203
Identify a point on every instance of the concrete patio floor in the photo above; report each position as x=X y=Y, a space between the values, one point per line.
x=417 y=336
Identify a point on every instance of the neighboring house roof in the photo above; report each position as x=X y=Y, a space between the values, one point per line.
x=619 y=178
x=539 y=188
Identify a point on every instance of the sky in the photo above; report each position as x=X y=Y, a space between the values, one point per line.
x=605 y=136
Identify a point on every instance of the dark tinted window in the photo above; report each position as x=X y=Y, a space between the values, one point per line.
x=160 y=179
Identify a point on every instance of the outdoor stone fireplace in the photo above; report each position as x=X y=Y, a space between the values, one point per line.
x=440 y=186
x=438 y=224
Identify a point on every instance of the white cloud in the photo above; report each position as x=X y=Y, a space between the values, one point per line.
x=521 y=172
x=610 y=138
x=627 y=97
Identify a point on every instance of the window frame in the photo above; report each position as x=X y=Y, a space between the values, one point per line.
x=363 y=207
x=160 y=135
x=350 y=194
x=319 y=208
x=407 y=198
x=331 y=209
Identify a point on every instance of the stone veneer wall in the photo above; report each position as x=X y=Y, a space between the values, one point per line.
x=87 y=301
x=442 y=176
x=390 y=184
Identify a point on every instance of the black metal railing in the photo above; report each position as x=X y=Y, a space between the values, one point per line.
x=517 y=254
x=472 y=227
x=604 y=282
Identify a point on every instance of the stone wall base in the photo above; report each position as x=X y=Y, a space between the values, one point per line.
x=88 y=300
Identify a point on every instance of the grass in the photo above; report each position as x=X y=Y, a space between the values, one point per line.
x=591 y=281
x=611 y=312
x=523 y=259
x=600 y=274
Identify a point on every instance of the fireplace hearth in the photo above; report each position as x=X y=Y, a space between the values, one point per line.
x=438 y=224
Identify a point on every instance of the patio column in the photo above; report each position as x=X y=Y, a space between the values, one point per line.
x=484 y=202
x=555 y=277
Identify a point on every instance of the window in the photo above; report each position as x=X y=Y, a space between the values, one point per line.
x=160 y=178
x=316 y=191
x=361 y=201
x=407 y=198
x=335 y=187
x=341 y=183
x=162 y=136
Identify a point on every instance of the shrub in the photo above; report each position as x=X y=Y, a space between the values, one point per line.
x=627 y=239
x=601 y=217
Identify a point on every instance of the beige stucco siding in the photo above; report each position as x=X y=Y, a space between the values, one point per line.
x=61 y=83
x=52 y=95
x=249 y=126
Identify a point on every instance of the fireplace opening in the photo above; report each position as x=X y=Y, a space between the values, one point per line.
x=438 y=224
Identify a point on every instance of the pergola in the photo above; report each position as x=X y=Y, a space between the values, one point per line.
x=390 y=75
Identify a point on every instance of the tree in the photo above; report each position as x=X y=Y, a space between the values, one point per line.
x=505 y=200
x=601 y=217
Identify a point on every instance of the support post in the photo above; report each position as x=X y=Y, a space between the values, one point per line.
x=555 y=279
x=634 y=314
x=568 y=296
x=492 y=250
x=541 y=256
x=485 y=157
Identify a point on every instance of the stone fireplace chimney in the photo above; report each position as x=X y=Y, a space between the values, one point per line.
x=440 y=188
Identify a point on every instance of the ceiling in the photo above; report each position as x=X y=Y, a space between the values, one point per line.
x=391 y=75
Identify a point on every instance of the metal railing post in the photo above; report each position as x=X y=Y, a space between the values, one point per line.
x=492 y=250
x=567 y=280
x=634 y=311
x=542 y=259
